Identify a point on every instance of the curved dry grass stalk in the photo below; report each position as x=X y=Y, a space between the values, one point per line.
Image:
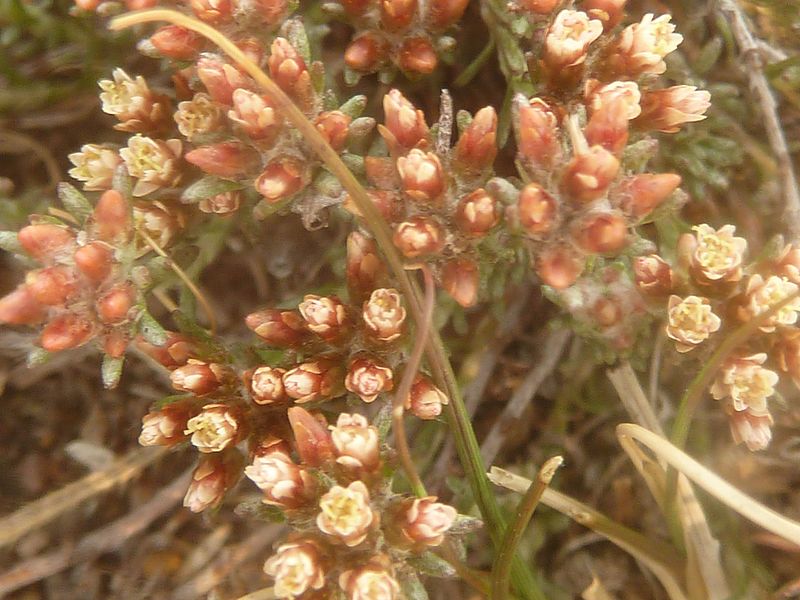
x=629 y=434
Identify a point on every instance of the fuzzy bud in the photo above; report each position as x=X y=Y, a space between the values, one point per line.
x=417 y=56
x=422 y=175
x=178 y=43
x=20 y=308
x=477 y=213
x=226 y=159
x=384 y=314
x=166 y=426
x=609 y=12
x=461 y=279
x=254 y=114
x=367 y=378
x=284 y=483
x=405 y=125
x=311 y=436
x=365 y=53
x=221 y=204
x=598 y=96
x=601 y=233
x=197 y=377
x=639 y=195
x=653 y=275
x=397 y=14
x=289 y=70
x=346 y=514
x=175 y=352
x=111 y=218
x=66 y=332
x=280 y=328
x=215 y=474
x=266 y=385
x=608 y=126
x=536 y=210
x=425 y=400
x=212 y=11
x=477 y=146
x=94 y=261
x=364 y=267
x=327 y=317
x=356 y=442
x=114 y=306
x=425 y=521
x=419 y=236
x=313 y=380
x=45 y=241
x=51 y=286
x=537 y=133
x=539 y=7
x=666 y=110
x=221 y=79
x=282 y=178
x=588 y=175
x=559 y=266
x=334 y=126
x=296 y=568
x=444 y=13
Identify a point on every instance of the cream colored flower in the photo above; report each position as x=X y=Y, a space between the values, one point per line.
x=714 y=256
x=754 y=430
x=131 y=101
x=155 y=163
x=645 y=44
x=690 y=321
x=296 y=569
x=283 y=482
x=256 y=117
x=198 y=116
x=666 y=110
x=568 y=38
x=746 y=383
x=384 y=314
x=627 y=90
x=762 y=295
x=369 y=583
x=94 y=165
x=325 y=316
x=159 y=428
x=356 y=442
x=346 y=513
x=214 y=429
x=426 y=521
x=367 y=378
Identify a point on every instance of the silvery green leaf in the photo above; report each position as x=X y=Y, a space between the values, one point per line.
x=10 y=242
x=74 y=201
x=151 y=330
x=433 y=565
x=111 y=371
x=355 y=106
x=207 y=187
x=412 y=587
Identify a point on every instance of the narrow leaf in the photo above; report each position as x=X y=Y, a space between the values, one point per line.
x=111 y=371
x=74 y=201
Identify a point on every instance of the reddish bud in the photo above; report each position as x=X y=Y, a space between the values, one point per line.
x=266 y=385
x=254 y=114
x=111 y=219
x=421 y=175
x=311 y=436
x=477 y=213
x=215 y=474
x=397 y=14
x=537 y=211
x=365 y=53
x=175 y=352
x=537 y=133
x=444 y=13
x=417 y=55
x=212 y=11
x=271 y=11
x=282 y=178
x=668 y=109
x=65 y=332
x=559 y=266
x=113 y=307
x=653 y=275
x=420 y=236
x=281 y=328
x=425 y=400
x=176 y=42
x=197 y=377
x=166 y=426
x=364 y=266
x=314 y=380
x=477 y=146
x=289 y=71
x=333 y=125
x=404 y=124
x=588 y=176
x=355 y=8
x=225 y=159
x=608 y=126
x=94 y=260
x=367 y=377
x=539 y=7
x=601 y=233
x=609 y=12
x=639 y=195
x=45 y=241
x=221 y=204
x=20 y=308
x=460 y=279
x=327 y=317
x=115 y=343
x=51 y=286
x=221 y=79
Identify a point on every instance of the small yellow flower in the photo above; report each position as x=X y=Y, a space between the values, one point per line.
x=746 y=383
x=690 y=321
x=198 y=116
x=346 y=513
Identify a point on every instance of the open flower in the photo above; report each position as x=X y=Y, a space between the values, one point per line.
x=426 y=521
x=214 y=429
x=356 y=442
x=746 y=384
x=198 y=116
x=296 y=568
x=94 y=165
x=761 y=295
x=713 y=255
x=346 y=513
x=752 y=429
x=568 y=39
x=690 y=321
x=641 y=47
x=628 y=91
x=131 y=101
x=384 y=314
x=367 y=378
x=370 y=582
x=155 y=163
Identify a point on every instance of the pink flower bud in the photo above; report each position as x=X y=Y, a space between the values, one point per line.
x=66 y=332
x=311 y=437
x=94 y=260
x=601 y=233
x=221 y=79
x=281 y=328
x=327 y=317
x=197 y=377
x=346 y=513
x=284 y=483
x=608 y=126
x=609 y=12
x=282 y=178
x=115 y=342
x=365 y=53
x=397 y=14
x=313 y=380
x=355 y=8
x=215 y=474
x=374 y=581
x=176 y=42
x=51 y=286
x=444 y=13
x=225 y=159
x=477 y=213
x=425 y=400
x=334 y=126
x=755 y=430
x=537 y=211
x=419 y=236
x=537 y=133
x=266 y=385
x=559 y=266
x=255 y=114
x=421 y=175
x=175 y=352
x=111 y=218
x=653 y=275
x=588 y=176
x=114 y=306
x=641 y=47
x=425 y=521
x=367 y=377
x=568 y=39
x=639 y=195
x=539 y=7
x=20 y=308
x=296 y=568
x=45 y=241
x=221 y=204
x=357 y=443
x=364 y=267
x=166 y=426
x=405 y=125
x=215 y=428
x=477 y=146
x=417 y=55
x=461 y=279
x=289 y=71
x=666 y=110
x=212 y=11
x=384 y=314
x=271 y=11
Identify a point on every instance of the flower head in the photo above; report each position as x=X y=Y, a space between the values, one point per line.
x=214 y=429
x=641 y=47
x=384 y=314
x=371 y=582
x=283 y=482
x=356 y=442
x=155 y=163
x=425 y=521
x=746 y=384
x=690 y=321
x=296 y=568
x=346 y=513
x=568 y=38
x=198 y=116
x=94 y=165
x=713 y=255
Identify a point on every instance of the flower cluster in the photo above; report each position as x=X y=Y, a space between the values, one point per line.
x=712 y=290
x=401 y=34
x=349 y=531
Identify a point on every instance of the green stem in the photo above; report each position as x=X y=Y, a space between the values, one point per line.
x=466 y=443
x=472 y=69
x=513 y=535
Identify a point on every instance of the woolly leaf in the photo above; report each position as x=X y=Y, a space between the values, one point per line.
x=74 y=201
x=151 y=330
x=208 y=187
x=111 y=371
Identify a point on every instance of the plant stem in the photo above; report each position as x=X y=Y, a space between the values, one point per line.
x=466 y=443
x=472 y=69
x=513 y=535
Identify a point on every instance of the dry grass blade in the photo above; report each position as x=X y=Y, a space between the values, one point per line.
x=42 y=511
x=656 y=556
